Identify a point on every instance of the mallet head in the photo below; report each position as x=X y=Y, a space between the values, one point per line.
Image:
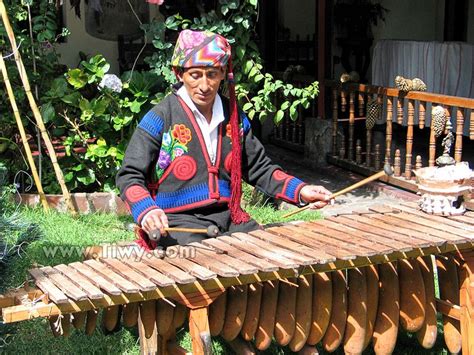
x=212 y=231
x=155 y=235
x=388 y=169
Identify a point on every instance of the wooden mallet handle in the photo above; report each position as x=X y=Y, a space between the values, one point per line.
x=386 y=171
x=211 y=231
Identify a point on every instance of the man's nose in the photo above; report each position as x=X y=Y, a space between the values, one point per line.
x=204 y=84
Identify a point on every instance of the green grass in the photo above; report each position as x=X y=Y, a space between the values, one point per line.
x=63 y=230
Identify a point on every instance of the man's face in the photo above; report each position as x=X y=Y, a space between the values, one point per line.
x=202 y=84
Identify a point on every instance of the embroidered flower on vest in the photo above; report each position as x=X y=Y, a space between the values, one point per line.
x=181 y=133
x=173 y=145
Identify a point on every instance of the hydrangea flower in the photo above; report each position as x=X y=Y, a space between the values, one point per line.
x=112 y=82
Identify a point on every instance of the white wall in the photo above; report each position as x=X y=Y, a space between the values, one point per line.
x=80 y=40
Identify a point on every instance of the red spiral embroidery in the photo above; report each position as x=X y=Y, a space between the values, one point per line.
x=228 y=162
x=280 y=175
x=184 y=167
x=136 y=193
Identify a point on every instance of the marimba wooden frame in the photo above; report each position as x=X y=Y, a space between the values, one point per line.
x=198 y=295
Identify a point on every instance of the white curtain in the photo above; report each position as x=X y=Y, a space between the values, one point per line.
x=446 y=67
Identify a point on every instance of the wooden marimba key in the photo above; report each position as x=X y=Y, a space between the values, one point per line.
x=361 y=276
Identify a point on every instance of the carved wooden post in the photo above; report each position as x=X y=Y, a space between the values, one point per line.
x=358 y=152
x=409 y=149
x=459 y=131
x=471 y=126
x=361 y=104
x=342 y=149
x=351 y=126
x=418 y=162
x=334 y=122
x=422 y=114
x=377 y=163
x=343 y=100
x=368 y=148
x=448 y=118
x=396 y=164
x=400 y=103
x=432 y=146
x=388 y=132
x=301 y=130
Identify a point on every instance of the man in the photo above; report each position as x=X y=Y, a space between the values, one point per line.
x=184 y=164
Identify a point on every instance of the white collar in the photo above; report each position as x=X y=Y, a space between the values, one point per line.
x=217 y=108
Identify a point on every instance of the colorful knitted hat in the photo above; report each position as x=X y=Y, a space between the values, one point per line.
x=200 y=49
x=207 y=49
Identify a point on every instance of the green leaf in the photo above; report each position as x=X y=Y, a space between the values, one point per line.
x=224 y=9
x=72 y=98
x=86 y=177
x=248 y=66
x=84 y=104
x=58 y=88
x=253 y=2
x=136 y=106
x=247 y=106
x=240 y=51
x=293 y=112
x=279 y=116
x=99 y=106
x=47 y=112
x=253 y=71
x=251 y=114
x=258 y=78
x=77 y=78
x=285 y=105
x=233 y=4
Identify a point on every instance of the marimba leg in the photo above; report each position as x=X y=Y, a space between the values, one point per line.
x=449 y=291
x=150 y=342
x=467 y=301
x=199 y=330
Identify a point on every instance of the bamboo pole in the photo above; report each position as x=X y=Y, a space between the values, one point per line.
x=34 y=108
x=19 y=123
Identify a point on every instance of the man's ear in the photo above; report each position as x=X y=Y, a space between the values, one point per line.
x=179 y=73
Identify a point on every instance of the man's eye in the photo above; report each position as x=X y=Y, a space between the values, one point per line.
x=195 y=76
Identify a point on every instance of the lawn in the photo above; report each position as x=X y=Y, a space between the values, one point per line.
x=55 y=230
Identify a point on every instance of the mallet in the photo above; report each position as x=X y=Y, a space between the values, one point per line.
x=387 y=170
x=211 y=231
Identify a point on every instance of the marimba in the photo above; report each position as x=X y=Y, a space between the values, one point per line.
x=347 y=280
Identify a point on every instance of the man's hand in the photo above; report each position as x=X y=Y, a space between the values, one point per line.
x=316 y=196
x=155 y=219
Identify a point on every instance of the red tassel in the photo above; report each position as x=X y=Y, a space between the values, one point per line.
x=143 y=241
x=236 y=213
